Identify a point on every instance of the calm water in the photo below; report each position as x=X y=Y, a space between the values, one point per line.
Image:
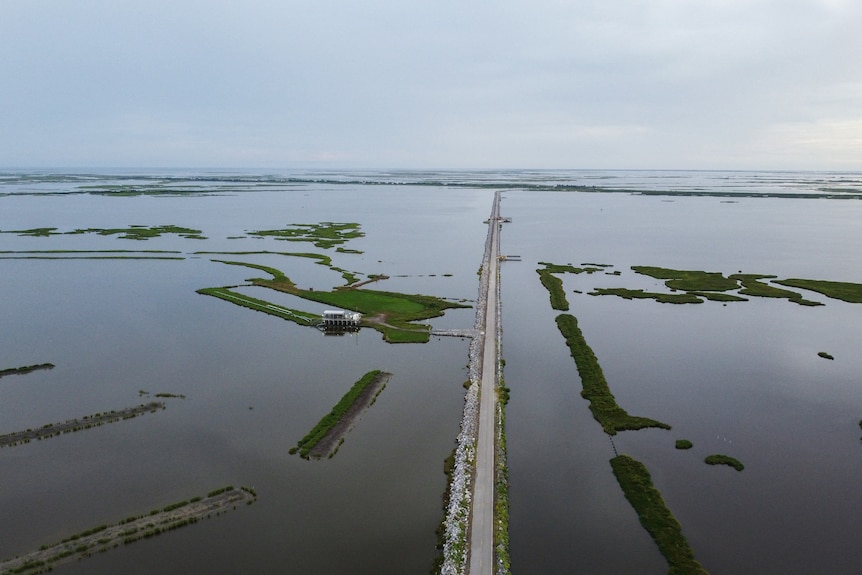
x=741 y=379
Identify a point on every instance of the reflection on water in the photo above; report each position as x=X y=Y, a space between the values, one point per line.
x=742 y=379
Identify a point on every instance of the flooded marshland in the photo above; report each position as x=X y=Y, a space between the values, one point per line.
x=741 y=378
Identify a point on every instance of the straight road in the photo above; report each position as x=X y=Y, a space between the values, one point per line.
x=482 y=522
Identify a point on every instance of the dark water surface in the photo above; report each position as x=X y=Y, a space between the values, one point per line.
x=742 y=379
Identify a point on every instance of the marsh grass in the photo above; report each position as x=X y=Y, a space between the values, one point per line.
x=675 y=298
x=330 y=420
x=844 y=291
x=603 y=405
x=718 y=459
x=635 y=480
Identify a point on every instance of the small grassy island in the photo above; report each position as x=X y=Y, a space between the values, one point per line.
x=25 y=369
x=106 y=537
x=656 y=518
x=603 y=405
x=724 y=460
x=684 y=444
x=825 y=355
x=325 y=438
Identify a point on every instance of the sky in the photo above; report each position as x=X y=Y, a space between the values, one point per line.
x=443 y=84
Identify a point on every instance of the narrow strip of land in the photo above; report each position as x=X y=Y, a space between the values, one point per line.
x=128 y=531
x=482 y=521
x=70 y=425
x=25 y=369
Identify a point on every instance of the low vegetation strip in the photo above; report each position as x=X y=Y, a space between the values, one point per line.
x=72 y=425
x=294 y=315
x=724 y=460
x=25 y=369
x=324 y=439
x=845 y=291
x=654 y=515
x=603 y=405
x=105 y=537
x=554 y=285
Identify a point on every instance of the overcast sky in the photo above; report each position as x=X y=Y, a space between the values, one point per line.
x=664 y=84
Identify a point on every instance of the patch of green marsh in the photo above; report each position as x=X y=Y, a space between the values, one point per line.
x=845 y=291
x=603 y=405
x=724 y=460
x=635 y=480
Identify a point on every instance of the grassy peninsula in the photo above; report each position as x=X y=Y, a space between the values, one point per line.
x=603 y=405
x=392 y=314
x=654 y=515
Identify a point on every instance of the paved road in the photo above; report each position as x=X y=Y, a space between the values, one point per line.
x=482 y=523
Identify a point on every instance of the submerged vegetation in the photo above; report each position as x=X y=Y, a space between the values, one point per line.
x=25 y=369
x=72 y=425
x=105 y=537
x=654 y=515
x=603 y=405
x=373 y=381
x=129 y=233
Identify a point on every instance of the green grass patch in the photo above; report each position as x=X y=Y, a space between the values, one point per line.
x=635 y=480
x=825 y=355
x=554 y=285
x=603 y=405
x=683 y=444
x=845 y=291
x=325 y=425
x=724 y=460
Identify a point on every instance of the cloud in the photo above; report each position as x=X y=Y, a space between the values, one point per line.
x=634 y=83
